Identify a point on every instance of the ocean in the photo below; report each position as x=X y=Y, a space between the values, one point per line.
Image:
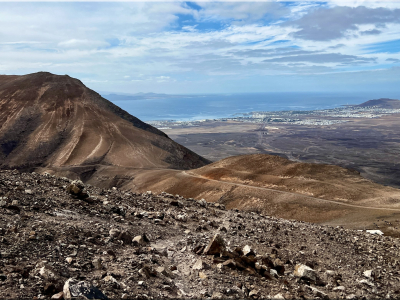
x=199 y=107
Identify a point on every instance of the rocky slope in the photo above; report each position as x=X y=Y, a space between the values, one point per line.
x=51 y=121
x=317 y=193
x=62 y=239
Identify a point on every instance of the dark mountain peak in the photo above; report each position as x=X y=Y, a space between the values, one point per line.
x=382 y=103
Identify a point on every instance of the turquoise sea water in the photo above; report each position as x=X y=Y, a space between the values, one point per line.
x=198 y=107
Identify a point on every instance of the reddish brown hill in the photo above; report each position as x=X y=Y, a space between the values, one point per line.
x=277 y=186
x=49 y=121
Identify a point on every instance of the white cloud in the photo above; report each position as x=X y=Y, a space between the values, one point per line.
x=82 y=44
x=87 y=40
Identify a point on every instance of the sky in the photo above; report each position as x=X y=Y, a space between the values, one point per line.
x=207 y=47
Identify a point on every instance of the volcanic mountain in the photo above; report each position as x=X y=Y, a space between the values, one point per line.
x=52 y=121
x=382 y=103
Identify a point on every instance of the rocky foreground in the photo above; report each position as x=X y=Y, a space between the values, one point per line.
x=61 y=239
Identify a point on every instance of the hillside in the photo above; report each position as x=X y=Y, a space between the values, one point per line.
x=276 y=186
x=382 y=103
x=51 y=121
x=63 y=239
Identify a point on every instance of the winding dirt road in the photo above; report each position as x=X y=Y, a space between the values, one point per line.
x=185 y=173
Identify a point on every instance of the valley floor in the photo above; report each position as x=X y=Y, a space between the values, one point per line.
x=369 y=145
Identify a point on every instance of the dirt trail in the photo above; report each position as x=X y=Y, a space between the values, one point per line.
x=185 y=173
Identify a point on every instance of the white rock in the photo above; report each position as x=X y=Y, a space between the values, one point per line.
x=368 y=273
x=365 y=281
x=375 y=232
x=114 y=232
x=69 y=260
x=330 y=272
x=138 y=241
x=305 y=272
x=254 y=293
x=247 y=250
x=66 y=290
x=47 y=273
x=110 y=279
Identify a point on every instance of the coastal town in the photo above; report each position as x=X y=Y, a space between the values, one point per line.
x=323 y=117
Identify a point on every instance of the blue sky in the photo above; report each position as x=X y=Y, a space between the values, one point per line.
x=207 y=47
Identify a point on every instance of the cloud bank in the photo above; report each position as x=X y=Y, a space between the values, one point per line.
x=206 y=47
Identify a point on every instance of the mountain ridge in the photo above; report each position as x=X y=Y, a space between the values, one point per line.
x=382 y=103
x=55 y=120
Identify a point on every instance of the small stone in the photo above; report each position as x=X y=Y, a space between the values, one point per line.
x=215 y=246
x=114 y=232
x=279 y=297
x=330 y=272
x=318 y=293
x=279 y=266
x=217 y=295
x=58 y=296
x=69 y=260
x=339 y=288
x=124 y=296
x=28 y=192
x=147 y=271
x=254 y=293
x=161 y=270
x=305 y=272
x=247 y=251
x=202 y=275
x=198 y=265
x=203 y=203
x=273 y=272
x=125 y=237
x=182 y=218
x=138 y=241
x=77 y=188
x=14 y=202
x=366 y=282
x=110 y=279
x=47 y=272
x=368 y=273
x=97 y=263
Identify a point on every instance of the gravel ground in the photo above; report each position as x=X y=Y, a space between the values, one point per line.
x=62 y=239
